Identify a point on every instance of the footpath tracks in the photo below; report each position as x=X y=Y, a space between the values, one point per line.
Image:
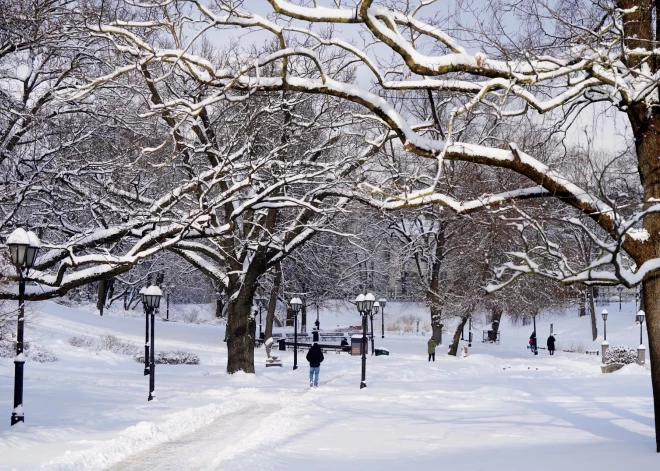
x=248 y=433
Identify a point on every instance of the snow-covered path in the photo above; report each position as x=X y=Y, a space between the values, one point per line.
x=500 y=408
x=207 y=447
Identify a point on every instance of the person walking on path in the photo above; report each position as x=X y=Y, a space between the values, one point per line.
x=532 y=343
x=551 y=344
x=315 y=358
x=431 y=348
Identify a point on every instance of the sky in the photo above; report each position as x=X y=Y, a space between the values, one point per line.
x=600 y=127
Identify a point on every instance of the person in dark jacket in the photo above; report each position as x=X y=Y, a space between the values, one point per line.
x=533 y=344
x=551 y=344
x=315 y=358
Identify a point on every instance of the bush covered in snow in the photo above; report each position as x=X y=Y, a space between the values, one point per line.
x=172 y=358
x=621 y=355
x=32 y=352
x=116 y=345
x=81 y=342
x=107 y=342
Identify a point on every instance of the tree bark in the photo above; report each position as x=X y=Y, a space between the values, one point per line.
x=453 y=348
x=100 y=303
x=272 y=302
x=651 y=290
x=496 y=318
x=303 y=316
x=240 y=335
x=592 y=312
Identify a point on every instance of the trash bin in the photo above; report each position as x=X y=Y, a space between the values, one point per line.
x=356 y=343
x=282 y=344
x=315 y=335
x=381 y=351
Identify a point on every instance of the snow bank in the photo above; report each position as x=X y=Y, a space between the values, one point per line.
x=140 y=437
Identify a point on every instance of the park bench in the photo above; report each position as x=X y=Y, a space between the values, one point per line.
x=302 y=346
x=331 y=335
x=592 y=352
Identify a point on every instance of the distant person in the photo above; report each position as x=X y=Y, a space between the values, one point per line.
x=344 y=345
x=532 y=343
x=315 y=358
x=317 y=324
x=551 y=344
x=431 y=349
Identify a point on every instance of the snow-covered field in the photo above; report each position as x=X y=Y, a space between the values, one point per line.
x=500 y=408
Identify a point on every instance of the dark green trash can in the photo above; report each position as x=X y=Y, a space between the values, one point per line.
x=381 y=351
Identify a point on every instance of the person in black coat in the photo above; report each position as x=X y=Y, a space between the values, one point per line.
x=551 y=344
x=315 y=358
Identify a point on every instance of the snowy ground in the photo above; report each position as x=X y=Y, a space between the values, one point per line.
x=500 y=408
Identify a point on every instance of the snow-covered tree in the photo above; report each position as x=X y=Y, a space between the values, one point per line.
x=568 y=56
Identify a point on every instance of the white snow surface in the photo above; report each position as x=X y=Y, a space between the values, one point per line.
x=500 y=408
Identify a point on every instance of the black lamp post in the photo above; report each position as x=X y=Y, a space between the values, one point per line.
x=23 y=248
x=364 y=304
x=604 y=314
x=296 y=304
x=382 y=302
x=152 y=297
x=375 y=310
x=640 y=319
x=359 y=304
x=470 y=331
x=146 y=330
x=620 y=290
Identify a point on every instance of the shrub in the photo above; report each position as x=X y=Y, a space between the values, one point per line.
x=40 y=354
x=171 y=358
x=191 y=316
x=116 y=345
x=81 y=342
x=621 y=355
x=32 y=352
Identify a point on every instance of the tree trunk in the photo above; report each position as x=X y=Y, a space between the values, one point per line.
x=100 y=304
x=453 y=348
x=303 y=316
x=289 y=317
x=272 y=302
x=651 y=293
x=240 y=334
x=218 y=308
x=592 y=312
x=496 y=318
x=582 y=309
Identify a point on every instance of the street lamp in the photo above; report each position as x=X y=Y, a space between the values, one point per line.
x=604 y=314
x=359 y=304
x=375 y=311
x=23 y=248
x=143 y=299
x=382 y=302
x=640 y=319
x=620 y=290
x=152 y=297
x=296 y=304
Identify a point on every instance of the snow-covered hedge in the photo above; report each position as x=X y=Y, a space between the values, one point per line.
x=621 y=355
x=108 y=342
x=32 y=352
x=171 y=358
